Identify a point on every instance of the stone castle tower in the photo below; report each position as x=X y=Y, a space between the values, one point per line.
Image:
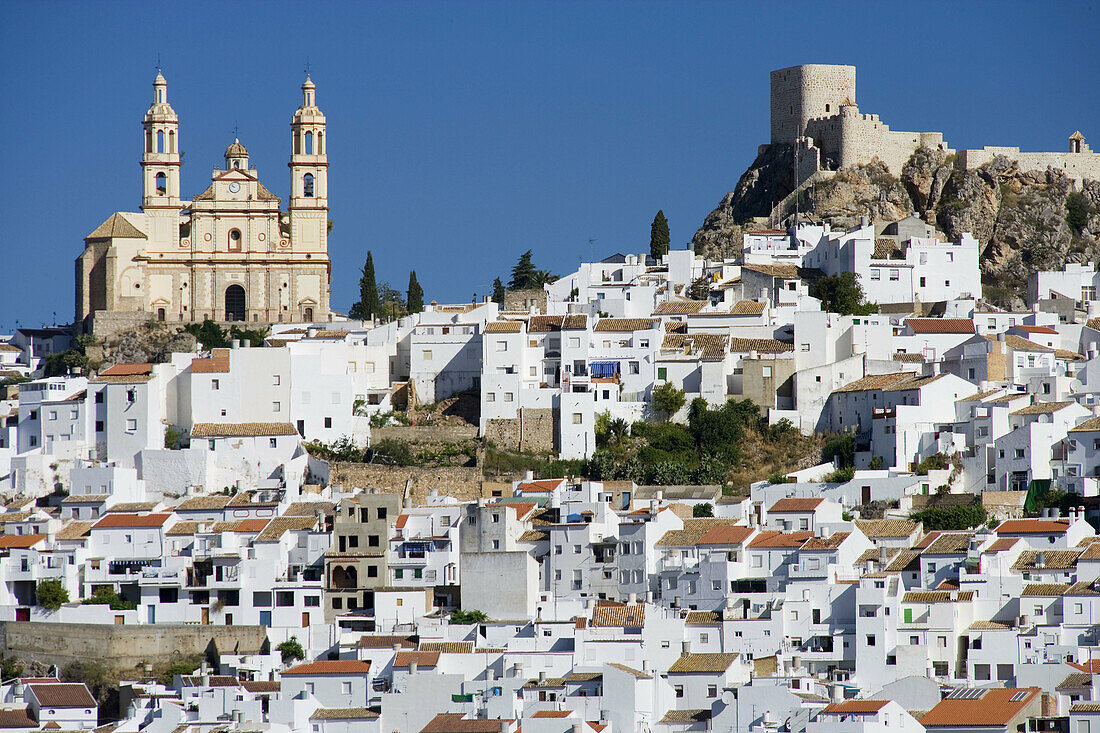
x=230 y=253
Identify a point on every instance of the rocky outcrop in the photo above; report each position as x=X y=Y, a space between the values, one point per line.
x=1019 y=217
x=152 y=342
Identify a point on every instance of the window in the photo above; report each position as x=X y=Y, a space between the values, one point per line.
x=328 y=422
x=712 y=690
x=895 y=275
x=557 y=549
x=234 y=240
x=307 y=185
x=276 y=406
x=922 y=282
x=1018 y=453
x=981 y=671
x=273 y=443
x=345 y=688
x=313 y=601
x=509 y=397
x=490 y=397
x=662 y=373
x=502 y=345
x=131 y=426
x=876 y=274
x=427 y=354
x=215 y=385
x=99 y=426
x=870 y=639
x=679 y=690
x=913 y=640
x=576 y=549
x=372 y=571
x=766 y=372
x=496 y=546
x=578 y=418
x=632 y=367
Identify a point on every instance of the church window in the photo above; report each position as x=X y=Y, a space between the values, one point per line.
x=309 y=143
x=321 y=143
x=162 y=183
x=234 y=240
x=161 y=315
x=307 y=185
x=172 y=142
x=160 y=141
x=148 y=141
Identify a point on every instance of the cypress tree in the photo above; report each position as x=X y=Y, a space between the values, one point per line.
x=498 y=291
x=658 y=236
x=415 y=302
x=369 y=305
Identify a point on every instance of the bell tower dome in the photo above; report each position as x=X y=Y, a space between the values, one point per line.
x=160 y=161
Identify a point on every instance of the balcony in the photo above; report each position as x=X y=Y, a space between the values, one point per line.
x=677 y=564
x=161 y=576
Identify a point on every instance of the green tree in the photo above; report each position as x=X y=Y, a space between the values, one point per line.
x=393 y=302
x=498 y=291
x=51 y=594
x=702 y=510
x=667 y=399
x=1077 y=211
x=369 y=305
x=658 y=236
x=842 y=293
x=473 y=616
x=209 y=334
x=291 y=650
x=415 y=302
x=524 y=273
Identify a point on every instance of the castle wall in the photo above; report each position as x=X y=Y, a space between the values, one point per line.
x=1077 y=166
x=801 y=93
x=851 y=138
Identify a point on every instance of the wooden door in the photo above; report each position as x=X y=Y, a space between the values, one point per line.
x=205 y=616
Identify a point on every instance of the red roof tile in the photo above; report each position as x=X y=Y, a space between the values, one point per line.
x=856 y=706
x=1033 y=526
x=796 y=505
x=20 y=541
x=121 y=521
x=940 y=325
x=995 y=707
x=331 y=666
x=126 y=370
x=780 y=539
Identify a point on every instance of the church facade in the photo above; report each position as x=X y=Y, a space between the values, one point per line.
x=230 y=253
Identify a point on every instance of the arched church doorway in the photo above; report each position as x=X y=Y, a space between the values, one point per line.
x=234 y=303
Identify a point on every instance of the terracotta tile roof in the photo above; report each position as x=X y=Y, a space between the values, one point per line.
x=855 y=706
x=1075 y=679
x=503 y=327
x=978 y=397
x=574 y=323
x=1052 y=559
x=385 y=641
x=949 y=543
x=132 y=520
x=994 y=707
x=915 y=383
x=1001 y=544
x=277 y=527
x=20 y=541
x=75 y=530
x=1044 y=408
x=546 y=484
x=747 y=308
x=894 y=528
x=117 y=225
x=1090 y=425
x=678 y=307
x=328 y=334
x=620 y=325
x=1092 y=552
x=725 y=535
x=241 y=429
x=552 y=714
x=63 y=695
x=676 y=327
x=763 y=346
x=902 y=561
x=17 y=718
x=309 y=508
x=262 y=685
x=831 y=542
x=543 y=683
x=792 y=504
x=686 y=716
x=450 y=647
x=937 y=596
x=1067 y=355
x=583 y=676
x=915 y=358
x=544 y=324
x=1085 y=707
x=86 y=499
x=333 y=666
x=1045 y=590
x=991 y=626
x=940 y=325
x=133 y=506
x=127 y=370
x=1091 y=665
x=768 y=540
x=703 y=618
x=630 y=670
x=202 y=503
x=343 y=714
x=422 y=659
x=691 y=533
x=1038 y=329
x=216 y=363
x=1033 y=526
x=459 y=723
x=786 y=272
x=618 y=616
x=876 y=381
x=217 y=680
x=1018 y=344
x=694 y=663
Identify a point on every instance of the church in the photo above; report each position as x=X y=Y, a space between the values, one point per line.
x=228 y=254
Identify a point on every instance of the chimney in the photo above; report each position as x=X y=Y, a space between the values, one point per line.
x=632 y=598
x=529 y=476
x=578 y=728
x=685 y=647
x=505 y=725
x=882 y=556
x=542 y=677
x=413 y=666
x=1040 y=559
x=676 y=601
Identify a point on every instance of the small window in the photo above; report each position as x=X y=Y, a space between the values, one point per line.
x=427 y=355
x=578 y=418
x=234 y=240
x=273 y=443
x=307 y=185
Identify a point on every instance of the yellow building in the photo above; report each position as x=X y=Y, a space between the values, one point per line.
x=229 y=254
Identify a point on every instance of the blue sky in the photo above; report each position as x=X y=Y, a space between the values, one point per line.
x=463 y=133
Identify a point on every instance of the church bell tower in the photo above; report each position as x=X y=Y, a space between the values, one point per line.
x=309 y=174
x=160 y=162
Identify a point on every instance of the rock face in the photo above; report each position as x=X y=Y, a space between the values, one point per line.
x=152 y=342
x=1018 y=217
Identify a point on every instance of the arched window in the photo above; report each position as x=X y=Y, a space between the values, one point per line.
x=172 y=142
x=148 y=141
x=307 y=185
x=162 y=183
x=236 y=164
x=234 y=240
x=160 y=141
x=309 y=143
x=320 y=143
x=297 y=144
